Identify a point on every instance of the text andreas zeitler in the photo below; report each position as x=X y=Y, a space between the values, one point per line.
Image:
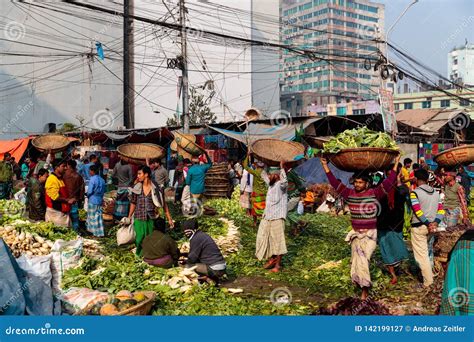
x=440 y=328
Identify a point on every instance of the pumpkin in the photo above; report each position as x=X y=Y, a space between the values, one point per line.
x=109 y=310
x=139 y=296
x=124 y=294
x=126 y=304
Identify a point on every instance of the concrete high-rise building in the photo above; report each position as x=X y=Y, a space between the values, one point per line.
x=338 y=30
x=461 y=65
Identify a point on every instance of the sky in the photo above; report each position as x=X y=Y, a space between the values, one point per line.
x=430 y=28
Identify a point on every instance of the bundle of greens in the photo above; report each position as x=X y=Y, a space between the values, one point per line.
x=359 y=137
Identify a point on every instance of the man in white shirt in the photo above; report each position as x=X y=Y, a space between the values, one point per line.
x=271 y=242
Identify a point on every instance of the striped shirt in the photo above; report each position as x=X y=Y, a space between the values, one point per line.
x=364 y=206
x=277 y=197
x=427 y=206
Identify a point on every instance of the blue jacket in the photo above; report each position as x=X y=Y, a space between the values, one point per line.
x=96 y=190
x=196 y=177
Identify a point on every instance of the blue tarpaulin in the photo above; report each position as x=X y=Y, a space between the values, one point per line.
x=20 y=293
x=313 y=173
x=277 y=130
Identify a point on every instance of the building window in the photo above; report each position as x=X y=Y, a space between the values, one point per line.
x=464 y=103
x=322 y=113
x=426 y=104
x=445 y=103
x=341 y=110
x=397 y=106
x=358 y=111
x=408 y=105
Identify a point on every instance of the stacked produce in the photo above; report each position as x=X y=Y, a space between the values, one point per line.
x=115 y=305
x=182 y=279
x=229 y=243
x=217 y=181
x=25 y=242
x=11 y=209
x=359 y=137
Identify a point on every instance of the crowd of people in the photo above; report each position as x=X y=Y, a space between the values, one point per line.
x=406 y=197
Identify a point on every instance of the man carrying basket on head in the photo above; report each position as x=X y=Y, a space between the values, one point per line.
x=364 y=207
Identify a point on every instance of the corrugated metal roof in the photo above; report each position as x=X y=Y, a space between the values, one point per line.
x=428 y=119
x=417 y=117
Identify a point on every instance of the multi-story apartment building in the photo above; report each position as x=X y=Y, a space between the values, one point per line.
x=339 y=30
x=433 y=99
x=461 y=65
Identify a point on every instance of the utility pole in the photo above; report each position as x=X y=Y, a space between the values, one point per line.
x=184 y=66
x=128 y=69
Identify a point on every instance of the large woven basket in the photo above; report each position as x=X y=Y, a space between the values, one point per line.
x=138 y=153
x=462 y=155
x=272 y=151
x=53 y=142
x=143 y=308
x=317 y=142
x=363 y=159
x=188 y=143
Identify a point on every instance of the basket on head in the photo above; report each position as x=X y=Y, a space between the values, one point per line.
x=317 y=142
x=363 y=159
x=138 y=153
x=272 y=151
x=53 y=142
x=462 y=155
x=188 y=143
x=252 y=114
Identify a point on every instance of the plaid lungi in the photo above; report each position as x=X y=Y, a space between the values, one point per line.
x=458 y=291
x=258 y=204
x=74 y=214
x=122 y=204
x=95 y=223
x=270 y=239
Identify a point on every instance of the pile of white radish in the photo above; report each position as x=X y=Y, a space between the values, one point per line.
x=24 y=242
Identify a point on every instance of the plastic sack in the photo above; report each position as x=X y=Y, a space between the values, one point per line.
x=65 y=255
x=76 y=299
x=20 y=196
x=39 y=266
x=126 y=234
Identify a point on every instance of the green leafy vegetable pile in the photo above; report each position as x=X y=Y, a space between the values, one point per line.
x=359 y=137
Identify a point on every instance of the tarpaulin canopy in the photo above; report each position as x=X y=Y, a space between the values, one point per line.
x=16 y=147
x=313 y=172
x=278 y=130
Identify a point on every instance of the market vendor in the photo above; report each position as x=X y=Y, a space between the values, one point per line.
x=122 y=175
x=159 y=249
x=146 y=198
x=95 y=196
x=35 y=196
x=454 y=201
x=270 y=243
x=6 y=177
x=203 y=253
x=58 y=203
x=259 y=188
x=428 y=212
x=246 y=189
x=363 y=205
x=465 y=181
x=76 y=190
x=197 y=175
x=390 y=224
